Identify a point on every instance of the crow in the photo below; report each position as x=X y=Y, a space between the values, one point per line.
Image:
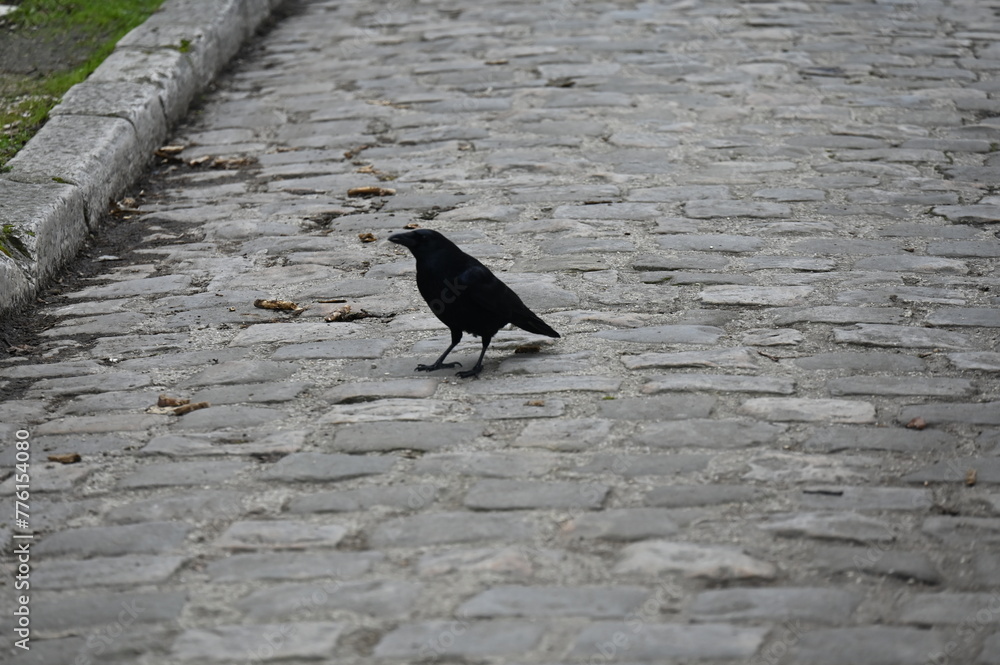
x=464 y=295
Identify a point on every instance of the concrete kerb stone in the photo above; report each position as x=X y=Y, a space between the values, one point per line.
x=102 y=135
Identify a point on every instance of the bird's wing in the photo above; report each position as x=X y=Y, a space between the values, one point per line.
x=480 y=286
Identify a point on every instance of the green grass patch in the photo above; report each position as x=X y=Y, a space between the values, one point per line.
x=69 y=38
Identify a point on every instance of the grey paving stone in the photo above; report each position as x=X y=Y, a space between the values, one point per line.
x=105 y=541
x=675 y=641
x=63 y=613
x=983 y=360
x=588 y=245
x=459 y=639
x=779 y=296
x=772 y=337
x=100 y=424
x=627 y=211
x=196 y=445
x=182 y=474
x=913 y=263
x=182 y=359
x=844 y=247
x=791 y=194
x=411 y=496
x=334 y=349
x=867 y=645
x=190 y=507
x=991 y=647
x=965 y=249
x=925 y=230
x=840 y=497
x=383 y=599
x=111 y=401
x=799 y=409
x=836 y=141
x=48 y=370
x=512 y=409
x=520 y=495
x=972 y=214
x=703 y=433
x=666 y=334
x=657 y=407
x=575 y=434
x=517 y=464
x=630 y=465
x=388 y=435
x=254 y=393
x=371 y=390
x=871 y=334
x=625 y=524
x=390 y=408
x=148 y=286
x=685 y=496
x=98 y=325
x=905 y=294
x=948 y=608
x=681 y=278
x=690 y=382
x=272 y=534
x=450 y=527
x=847 y=526
x=875 y=559
x=229 y=416
x=873 y=361
x=712 y=562
x=680 y=261
x=709 y=243
x=965 y=316
x=291 y=333
x=874 y=385
x=326 y=467
x=517 y=560
x=788 y=263
x=976 y=531
x=711 y=208
x=241 y=371
x=981 y=573
x=679 y=193
x=735 y=358
x=291 y=566
x=302 y=639
x=544 y=384
x=56 y=651
x=983 y=413
x=838 y=314
x=50 y=478
x=599 y=602
x=810 y=604
x=128 y=570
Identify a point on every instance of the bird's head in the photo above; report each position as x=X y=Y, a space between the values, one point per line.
x=420 y=241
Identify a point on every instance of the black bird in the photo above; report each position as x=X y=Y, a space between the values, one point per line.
x=465 y=295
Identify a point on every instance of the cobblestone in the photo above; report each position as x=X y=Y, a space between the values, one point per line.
x=766 y=233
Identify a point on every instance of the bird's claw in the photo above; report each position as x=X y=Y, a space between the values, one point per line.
x=469 y=372
x=437 y=366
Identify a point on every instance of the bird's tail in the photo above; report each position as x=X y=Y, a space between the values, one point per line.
x=527 y=320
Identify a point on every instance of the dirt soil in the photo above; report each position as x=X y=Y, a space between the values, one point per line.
x=23 y=53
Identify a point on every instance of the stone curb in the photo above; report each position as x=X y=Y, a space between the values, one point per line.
x=102 y=135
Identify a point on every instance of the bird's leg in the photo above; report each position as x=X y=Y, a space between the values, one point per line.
x=479 y=363
x=456 y=337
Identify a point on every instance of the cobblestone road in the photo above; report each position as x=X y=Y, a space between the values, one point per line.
x=770 y=432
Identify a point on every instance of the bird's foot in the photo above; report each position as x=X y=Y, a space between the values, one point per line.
x=469 y=372
x=437 y=366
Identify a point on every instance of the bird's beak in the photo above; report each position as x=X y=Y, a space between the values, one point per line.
x=404 y=239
